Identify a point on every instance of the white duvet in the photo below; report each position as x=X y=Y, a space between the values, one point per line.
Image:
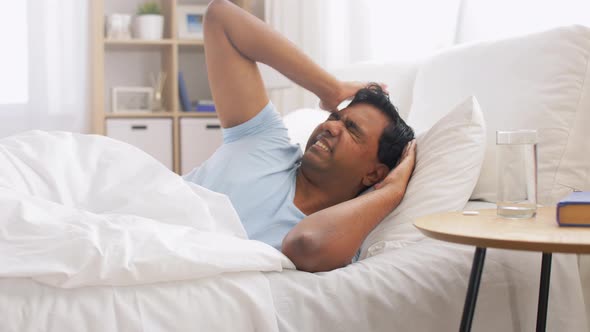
x=82 y=210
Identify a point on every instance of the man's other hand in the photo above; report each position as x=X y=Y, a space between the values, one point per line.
x=400 y=176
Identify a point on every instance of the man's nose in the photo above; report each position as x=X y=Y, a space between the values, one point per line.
x=333 y=127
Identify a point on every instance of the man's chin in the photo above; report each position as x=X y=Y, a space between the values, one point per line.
x=311 y=160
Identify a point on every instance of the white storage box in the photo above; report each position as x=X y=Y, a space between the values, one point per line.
x=153 y=136
x=199 y=138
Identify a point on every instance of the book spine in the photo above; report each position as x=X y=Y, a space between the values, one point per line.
x=561 y=205
x=183 y=94
x=205 y=108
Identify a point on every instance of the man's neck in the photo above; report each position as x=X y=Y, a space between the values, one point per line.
x=312 y=196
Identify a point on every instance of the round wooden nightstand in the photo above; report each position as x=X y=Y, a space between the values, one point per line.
x=487 y=230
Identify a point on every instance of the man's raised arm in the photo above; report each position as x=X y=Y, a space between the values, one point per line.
x=234 y=41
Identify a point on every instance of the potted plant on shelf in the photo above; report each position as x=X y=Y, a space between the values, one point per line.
x=149 y=22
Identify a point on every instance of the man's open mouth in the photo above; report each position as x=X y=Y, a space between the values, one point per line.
x=322 y=146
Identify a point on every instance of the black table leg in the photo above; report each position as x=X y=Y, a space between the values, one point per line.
x=471 y=298
x=544 y=292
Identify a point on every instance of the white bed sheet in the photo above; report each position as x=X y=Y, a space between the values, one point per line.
x=85 y=210
x=422 y=287
x=81 y=214
x=230 y=302
x=417 y=287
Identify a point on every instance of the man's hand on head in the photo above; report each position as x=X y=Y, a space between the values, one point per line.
x=397 y=180
x=344 y=91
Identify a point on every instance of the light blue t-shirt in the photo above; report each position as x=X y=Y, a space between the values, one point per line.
x=256 y=168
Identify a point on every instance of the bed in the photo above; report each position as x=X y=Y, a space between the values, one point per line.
x=420 y=287
x=414 y=288
x=403 y=281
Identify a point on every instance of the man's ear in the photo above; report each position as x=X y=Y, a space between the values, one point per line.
x=376 y=175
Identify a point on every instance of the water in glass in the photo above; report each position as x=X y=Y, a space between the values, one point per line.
x=517 y=173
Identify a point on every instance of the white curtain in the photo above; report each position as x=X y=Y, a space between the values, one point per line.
x=387 y=30
x=300 y=21
x=337 y=33
x=47 y=68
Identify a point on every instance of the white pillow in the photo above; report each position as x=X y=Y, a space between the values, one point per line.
x=302 y=122
x=539 y=81
x=448 y=162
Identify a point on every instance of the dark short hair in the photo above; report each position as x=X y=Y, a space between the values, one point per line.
x=396 y=134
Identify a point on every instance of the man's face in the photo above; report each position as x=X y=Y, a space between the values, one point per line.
x=346 y=144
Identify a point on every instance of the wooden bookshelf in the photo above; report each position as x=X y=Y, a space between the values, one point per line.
x=167 y=49
x=139 y=115
x=138 y=42
x=185 y=42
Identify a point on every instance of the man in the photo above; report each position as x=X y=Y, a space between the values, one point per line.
x=307 y=206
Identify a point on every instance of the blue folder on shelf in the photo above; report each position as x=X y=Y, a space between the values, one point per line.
x=183 y=94
x=205 y=108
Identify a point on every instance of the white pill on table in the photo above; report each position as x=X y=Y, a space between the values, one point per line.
x=470 y=213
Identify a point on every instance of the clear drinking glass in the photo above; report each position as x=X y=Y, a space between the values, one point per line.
x=517 y=173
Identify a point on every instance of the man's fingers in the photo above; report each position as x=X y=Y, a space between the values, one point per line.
x=327 y=108
x=404 y=154
x=412 y=145
x=407 y=148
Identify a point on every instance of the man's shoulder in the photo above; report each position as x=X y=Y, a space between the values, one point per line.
x=268 y=123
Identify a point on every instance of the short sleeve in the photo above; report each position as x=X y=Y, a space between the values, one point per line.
x=267 y=121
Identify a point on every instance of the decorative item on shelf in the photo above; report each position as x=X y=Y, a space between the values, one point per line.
x=149 y=22
x=183 y=94
x=158 y=86
x=203 y=106
x=118 y=26
x=190 y=21
x=132 y=99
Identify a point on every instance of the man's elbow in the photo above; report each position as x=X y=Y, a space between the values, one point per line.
x=215 y=10
x=301 y=247
x=305 y=250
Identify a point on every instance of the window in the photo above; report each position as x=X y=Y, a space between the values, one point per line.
x=14 y=64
